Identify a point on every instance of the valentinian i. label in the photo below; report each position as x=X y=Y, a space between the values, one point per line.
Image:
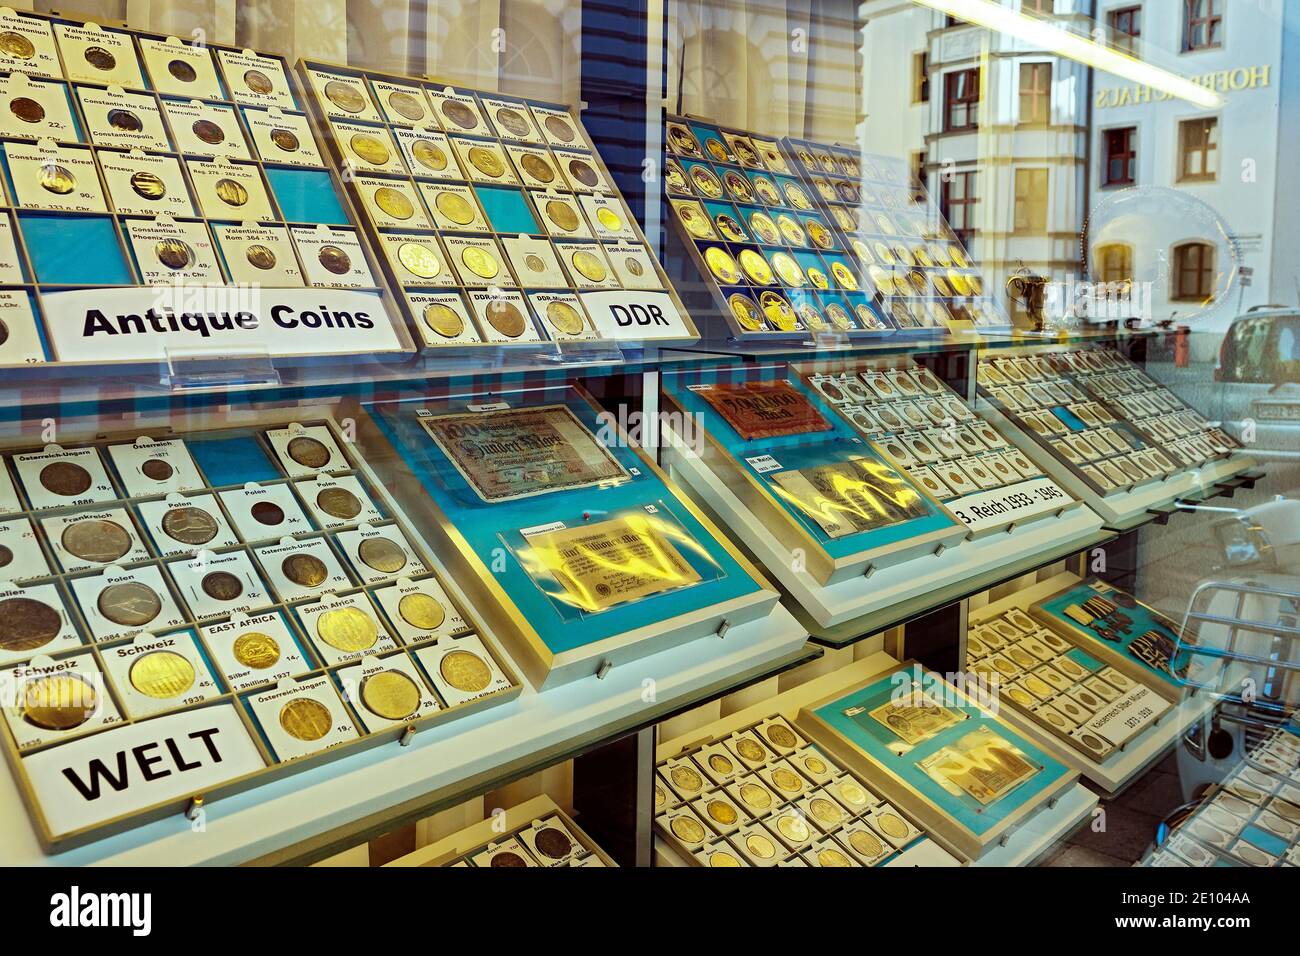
x=149 y=324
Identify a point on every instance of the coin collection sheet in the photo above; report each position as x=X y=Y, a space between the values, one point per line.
x=763 y=795
x=1100 y=416
x=550 y=841
x=1251 y=819
x=914 y=263
x=1078 y=699
x=940 y=443
x=252 y=570
x=496 y=220
x=774 y=262
x=134 y=160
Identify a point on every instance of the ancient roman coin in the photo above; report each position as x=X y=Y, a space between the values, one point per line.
x=334 y=260
x=208 y=131
x=260 y=257
x=285 y=139
x=175 y=254
x=57 y=179
x=100 y=58
x=16 y=45
x=182 y=71
x=258 y=82
x=27 y=109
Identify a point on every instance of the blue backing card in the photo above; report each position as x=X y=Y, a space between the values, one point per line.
x=232 y=459
x=70 y=249
x=306 y=196
x=507 y=210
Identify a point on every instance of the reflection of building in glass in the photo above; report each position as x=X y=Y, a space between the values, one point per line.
x=1018 y=147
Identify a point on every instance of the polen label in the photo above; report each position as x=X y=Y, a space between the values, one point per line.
x=97 y=778
x=141 y=324
x=635 y=316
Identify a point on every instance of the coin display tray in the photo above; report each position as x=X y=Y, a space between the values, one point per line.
x=494 y=217
x=1251 y=819
x=738 y=199
x=222 y=460
x=1100 y=417
x=926 y=429
x=168 y=130
x=816 y=810
x=913 y=260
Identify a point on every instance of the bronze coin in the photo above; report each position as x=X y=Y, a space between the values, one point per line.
x=182 y=71
x=407 y=105
x=157 y=470
x=583 y=172
x=6 y=556
x=174 y=254
x=260 y=257
x=65 y=478
x=304 y=569
x=553 y=843
x=506 y=319
x=231 y=193
x=286 y=139
x=506 y=858
x=385 y=556
x=94 y=539
x=460 y=114
x=100 y=58
x=562 y=214
x=537 y=167
x=190 y=525
x=345 y=96
x=16 y=45
x=560 y=128
x=148 y=185
x=222 y=586
x=27 y=109
x=267 y=512
x=125 y=120
x=512 y=121
x=26 y=624
x=781 y=736
x=338 y=503
x=308 y=452
x=334 y=260
x=208 y=131
x=258 y=82
x=429 y=155
x=130 y=603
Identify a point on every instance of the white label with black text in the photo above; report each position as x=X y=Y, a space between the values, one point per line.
x=1001 y=506
x=1125 y=718
x=634 y=316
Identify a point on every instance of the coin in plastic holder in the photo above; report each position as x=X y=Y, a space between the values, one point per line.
x=461 y=668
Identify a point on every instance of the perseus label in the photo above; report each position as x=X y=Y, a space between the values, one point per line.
x=132 y=325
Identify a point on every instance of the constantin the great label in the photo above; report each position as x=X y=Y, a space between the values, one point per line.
x=518 y=453
x=847 y=497
x=764 y=409
x=610 y=562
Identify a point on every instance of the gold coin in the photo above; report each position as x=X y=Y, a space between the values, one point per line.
x=148 y=185
x=486 y=161
x=746 y=312
x=129 y=603
x=537 y=167
x=751 y=750
x=455 y=207
x=429 y=155
x=721 y=812
x=305 y=719
x=562 y=215
x=190 y=525
x=721 y=858
x=345 y=96
x=506 y=319
x=407 y=105
x=26 y=624
x=57 y=179
x=893 y=825
x=260 y=257
x=59 y=701
x=721 y=265
x=460 y=114
x=370 y=148
x=584 y=173
x=421 y=611
x=815 y=765
x=465 y=671
x=347 y=629
x=481 y=262
x=27 y=109
x=93 y=539
x=786 y=780
x=207 y=131
x=334 y=260
x=394 y=202
x=707 y=183
x=830 y=857
x=559 y=127
x=285 y=139
x=443 y=320
x=853 y=794
x=686 y=778
x=382 y=554
x=589 y=265
x=564 y=317
x=781 y=735
x=306 y=570
x=162 y=675
x=308 y=452
x=231 y=193
x=16 y=45
x=100 y=58
x=419 y=259
x=793 y=827
x=842 y=275
x=760 y=846
x=257 y=81
x=755 y=266
x=788 y=269
x=256 y=650
x=174 y=254
x=390 y=694
x=778 y=311
x=825 y=810
x=182 y=71
x=687 y=830
x=866 y=843
x=755 y=796
x=721 y=764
